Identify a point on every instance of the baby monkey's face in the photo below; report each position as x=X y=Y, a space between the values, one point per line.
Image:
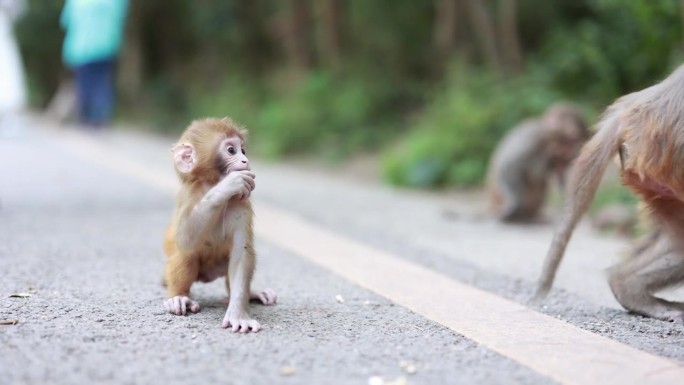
x=233 y=155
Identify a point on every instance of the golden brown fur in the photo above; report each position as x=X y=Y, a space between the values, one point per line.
x=646 y=129
x=204 y=135
x=187 y=266
x=211 y=232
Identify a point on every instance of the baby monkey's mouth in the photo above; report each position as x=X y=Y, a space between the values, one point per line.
x=230 y=169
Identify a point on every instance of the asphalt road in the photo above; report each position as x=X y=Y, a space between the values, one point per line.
x=81 y=232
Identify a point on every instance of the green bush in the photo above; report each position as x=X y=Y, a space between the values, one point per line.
x=234 y=97
x=620 y=47
x=40 y=41
x=322 y=114
x=452 y=140
x=613 y=193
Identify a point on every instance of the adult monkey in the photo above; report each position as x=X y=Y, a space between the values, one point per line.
x=528 y=156
x=211 y=233
x=646 y=129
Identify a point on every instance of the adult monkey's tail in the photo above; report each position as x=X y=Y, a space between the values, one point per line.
x=585 y=176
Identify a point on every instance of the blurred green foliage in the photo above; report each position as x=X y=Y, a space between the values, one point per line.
x=612 y=192
x=455 y=135
x=40 y=43
x=619 y=47
x=334 y=77
x=322 y=114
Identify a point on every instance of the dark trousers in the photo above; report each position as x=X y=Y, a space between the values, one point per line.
x=95 y=91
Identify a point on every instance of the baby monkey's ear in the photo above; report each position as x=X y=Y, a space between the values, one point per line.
x=184 y=157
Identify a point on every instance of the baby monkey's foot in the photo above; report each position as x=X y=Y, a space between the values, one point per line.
x=240 y=322
x=180 y=304
x=266 y=296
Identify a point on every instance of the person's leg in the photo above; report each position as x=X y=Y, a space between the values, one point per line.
x=102 y=93
x=83 y=80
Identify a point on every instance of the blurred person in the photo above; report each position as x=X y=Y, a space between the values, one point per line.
x=94 y=33
x=12 y=82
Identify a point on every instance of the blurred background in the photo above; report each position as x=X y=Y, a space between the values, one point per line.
x=427 y=88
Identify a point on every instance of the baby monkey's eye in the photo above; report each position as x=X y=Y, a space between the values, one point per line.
x=244 y=152
x=231 y=150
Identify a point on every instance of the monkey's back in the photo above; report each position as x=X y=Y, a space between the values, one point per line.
x=518 y=159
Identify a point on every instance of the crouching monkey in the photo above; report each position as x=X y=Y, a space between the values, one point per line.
x=646 y=129
x=528 y=156
x=211 y=234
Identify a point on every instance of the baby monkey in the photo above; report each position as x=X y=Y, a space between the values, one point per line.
x=528 y=156
x=211 y=235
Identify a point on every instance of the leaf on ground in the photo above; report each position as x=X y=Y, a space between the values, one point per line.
x=20 y=295
x=377 y=380
x=408 y=367
x=398 y=381
x=288 y=370
x=9 y=322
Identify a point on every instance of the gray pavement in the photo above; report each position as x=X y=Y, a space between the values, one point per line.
x=85 y=243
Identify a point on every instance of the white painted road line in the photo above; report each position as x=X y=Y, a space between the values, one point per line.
x=551 y=347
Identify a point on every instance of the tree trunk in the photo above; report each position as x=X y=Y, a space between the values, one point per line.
x=681 y=21
x=486 y=33
x=130 y=72
x=298 y=32
x=444 y=34
x=331 y=32
x=508 y=33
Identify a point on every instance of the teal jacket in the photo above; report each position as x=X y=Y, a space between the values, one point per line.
x=94 y=30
